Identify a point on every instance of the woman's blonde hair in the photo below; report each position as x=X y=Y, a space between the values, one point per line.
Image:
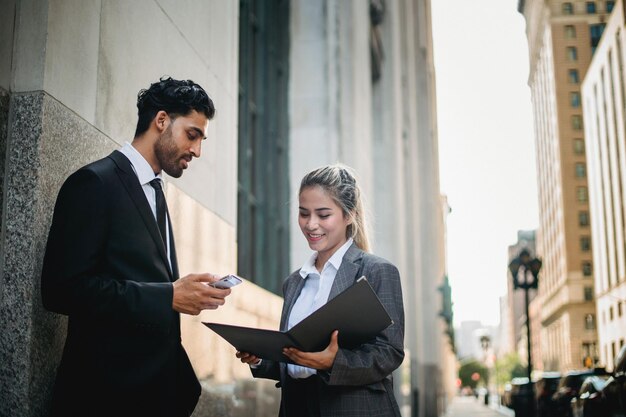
x=340 y=183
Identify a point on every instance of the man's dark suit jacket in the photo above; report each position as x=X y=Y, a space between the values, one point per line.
x=360 y=381
x=106 y=268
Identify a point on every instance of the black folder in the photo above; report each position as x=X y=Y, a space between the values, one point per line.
x=357 y=313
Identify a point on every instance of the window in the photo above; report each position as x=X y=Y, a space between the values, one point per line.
x=577 y=122
x=609 y=6
x=587 y=269
x=583 y=218
x=581 y=194
x=619 y=309
x=568 y=8
x=574 y=99
x=591 y=7
x=572 y=53
x=590 y=349
x=585 y=243
x=611 y=313
x=590 y=354
x=590 y=322
x=572 y=76
x=579 y=147
x=570 y=31
x=581 y=171
x=595 y=33
x=588 y=293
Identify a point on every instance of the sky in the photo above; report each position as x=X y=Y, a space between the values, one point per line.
x=486 y=146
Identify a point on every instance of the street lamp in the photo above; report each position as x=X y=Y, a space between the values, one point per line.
x=485 y=343
x=526 y=267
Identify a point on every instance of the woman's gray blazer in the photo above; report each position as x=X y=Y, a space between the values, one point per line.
x=360 y=382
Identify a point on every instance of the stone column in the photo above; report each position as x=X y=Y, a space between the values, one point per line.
x=46 y=142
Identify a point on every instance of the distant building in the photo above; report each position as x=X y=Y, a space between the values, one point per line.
x=604 y=99
x=562 y=36
x=505 y=327
x=465 y=339
x=473 y=331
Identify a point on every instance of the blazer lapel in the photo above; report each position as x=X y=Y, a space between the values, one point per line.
x=290 y=299
x=346 y=276
x=131 y=183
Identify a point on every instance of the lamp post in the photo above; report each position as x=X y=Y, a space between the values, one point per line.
x=527 y=267
x=485 y=343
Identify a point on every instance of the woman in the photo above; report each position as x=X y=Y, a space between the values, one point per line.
x=336 y=381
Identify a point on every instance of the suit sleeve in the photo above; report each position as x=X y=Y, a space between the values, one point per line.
x=267 y=369
x=374 y=360
x=72 y=280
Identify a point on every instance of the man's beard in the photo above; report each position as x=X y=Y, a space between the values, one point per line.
x=167 y=154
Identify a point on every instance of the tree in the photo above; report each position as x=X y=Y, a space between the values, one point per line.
x=509 y=367
x=472 y=372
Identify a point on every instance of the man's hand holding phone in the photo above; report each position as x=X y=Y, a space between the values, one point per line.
x=196 y=292
x=228 y=281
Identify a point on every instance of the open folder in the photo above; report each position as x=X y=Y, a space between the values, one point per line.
x=357 y=313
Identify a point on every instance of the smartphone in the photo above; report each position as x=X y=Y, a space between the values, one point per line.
x=227 y=282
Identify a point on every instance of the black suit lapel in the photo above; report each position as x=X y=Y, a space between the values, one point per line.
x=131 y=183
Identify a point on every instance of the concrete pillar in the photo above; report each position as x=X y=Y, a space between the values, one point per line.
x=43 y=148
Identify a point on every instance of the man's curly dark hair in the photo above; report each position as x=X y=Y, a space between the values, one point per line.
x=176 y=97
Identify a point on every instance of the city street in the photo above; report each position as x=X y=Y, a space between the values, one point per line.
x=472 y=407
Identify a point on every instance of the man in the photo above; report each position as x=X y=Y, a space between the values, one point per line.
x=110 y=265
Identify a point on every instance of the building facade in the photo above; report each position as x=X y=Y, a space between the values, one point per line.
x=297 y=84
x=604 y=98
x=562 y=37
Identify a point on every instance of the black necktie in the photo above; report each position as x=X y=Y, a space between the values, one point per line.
x=160 y=208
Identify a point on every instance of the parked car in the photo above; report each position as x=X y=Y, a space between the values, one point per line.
x=614 y=392
x=511 y=389
x=590 y=401
x=520 y=395
x=545 y=387
x=568 y=389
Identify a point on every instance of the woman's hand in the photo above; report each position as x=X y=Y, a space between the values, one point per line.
x=317 y=360
x=248 y=358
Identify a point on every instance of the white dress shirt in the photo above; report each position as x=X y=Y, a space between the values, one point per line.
x=144 y=173
x=314 y=294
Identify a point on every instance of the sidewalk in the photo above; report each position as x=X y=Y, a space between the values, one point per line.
x=472 y=407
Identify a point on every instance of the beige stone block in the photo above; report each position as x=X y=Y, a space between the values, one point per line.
x=206 y=243
x=7 y=26
x=212 y=178
x=71 y=72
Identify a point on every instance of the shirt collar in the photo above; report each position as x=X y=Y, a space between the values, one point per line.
x=335 y=260
x=309 y=266
x=140 y=165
